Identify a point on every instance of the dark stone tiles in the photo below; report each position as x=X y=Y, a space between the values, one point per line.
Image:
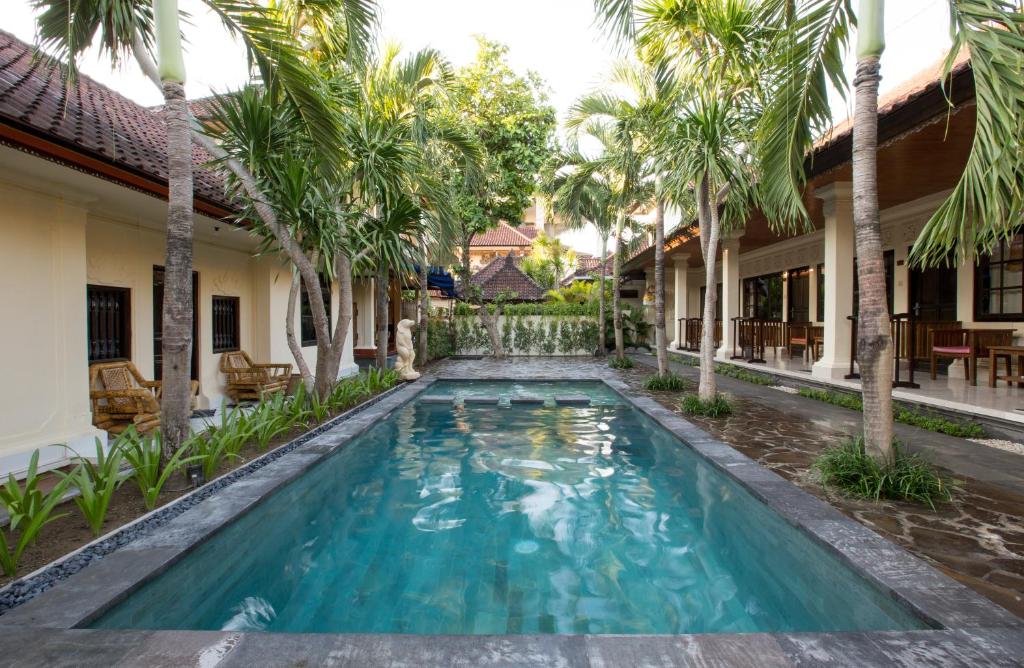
x=481 y=400
x=437 y=399
x=572 y=400
x=907 y=649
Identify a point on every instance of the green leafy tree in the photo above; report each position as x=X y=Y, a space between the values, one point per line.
x=512 y=122
x=548 y=262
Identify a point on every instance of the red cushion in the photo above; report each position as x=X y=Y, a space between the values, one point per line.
x=958 y=350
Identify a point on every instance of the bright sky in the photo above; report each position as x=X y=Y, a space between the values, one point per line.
x=555 y=38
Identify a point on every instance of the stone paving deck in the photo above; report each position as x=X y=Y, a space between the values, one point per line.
x=979 y=540
x=971 y=631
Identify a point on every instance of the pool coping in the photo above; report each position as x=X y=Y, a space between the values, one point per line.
x=972 y=630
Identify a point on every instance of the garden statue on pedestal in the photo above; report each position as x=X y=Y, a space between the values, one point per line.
x=406 y=353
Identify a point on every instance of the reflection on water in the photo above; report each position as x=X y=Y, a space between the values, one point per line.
x=518 y=519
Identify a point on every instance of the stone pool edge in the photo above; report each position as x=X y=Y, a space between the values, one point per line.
x=977 y=632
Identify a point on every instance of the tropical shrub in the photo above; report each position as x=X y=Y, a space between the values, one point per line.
x=29 y=510
x=621 y=363
x=902 y=414
x=440 y=338
x=739 y=373
x=668 y=382
x=716 y=407
x=270 y=420
x=144 y=455
x=96 y=483
x=905 y=477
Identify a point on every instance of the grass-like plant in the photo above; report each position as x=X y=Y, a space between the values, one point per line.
x=270 y=420
x=716 y=407
x=96 y=482
x=905 y=477
x=29 y=510
x=739 y=373
x=144 y=455
x=621 y=362
x=668 y=382
x=901 y=414
x=297 y=407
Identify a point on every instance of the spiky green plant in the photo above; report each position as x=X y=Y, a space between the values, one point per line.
x=29 y=511
x=96 y=482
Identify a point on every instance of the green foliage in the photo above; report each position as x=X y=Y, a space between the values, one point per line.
x=144 y=453
x=562 y=331
x=270 y=420
x=96 y=483
x=636 y=331
x=29 y=511
x=440 y=338
x=717 y=407
x=580 y=292
x=548 y=262
x=901 y=414
x=509 y=115
x=621 y=363
x=669 y=382
x=739 y=373
x=905 y=477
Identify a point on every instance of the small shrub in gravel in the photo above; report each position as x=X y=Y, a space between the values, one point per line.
x=668 y=382
x=718 y=406
x=620 y=363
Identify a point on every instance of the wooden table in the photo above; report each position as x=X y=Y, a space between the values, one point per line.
x=1007 y=353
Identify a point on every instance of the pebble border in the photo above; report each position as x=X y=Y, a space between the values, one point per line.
x=28 y=587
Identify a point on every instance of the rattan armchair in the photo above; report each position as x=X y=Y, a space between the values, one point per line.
x=249 y=380
x=121 y=397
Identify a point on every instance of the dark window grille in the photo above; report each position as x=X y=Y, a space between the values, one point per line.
x=308 y=329
x=225 y=324
x=108 y=323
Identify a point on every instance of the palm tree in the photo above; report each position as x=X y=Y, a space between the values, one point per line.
x=151 y=34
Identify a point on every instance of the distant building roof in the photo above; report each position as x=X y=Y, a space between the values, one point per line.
x=502 y=235
x=588 y=266
x=95 y=128
x=503 y=275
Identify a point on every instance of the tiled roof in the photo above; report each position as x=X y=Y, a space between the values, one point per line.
x=502 y=235
x=502 y=274
x=587 y=266
x=528 y=230
x=90 y=119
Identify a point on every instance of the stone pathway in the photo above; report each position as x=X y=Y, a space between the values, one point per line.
x=978 y=540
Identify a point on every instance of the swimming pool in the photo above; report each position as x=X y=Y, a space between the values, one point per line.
x=511 y=519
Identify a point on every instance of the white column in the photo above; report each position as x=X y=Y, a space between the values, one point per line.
x=812 y=311
x=730 y=291
x=839 y=250
x=681 y=296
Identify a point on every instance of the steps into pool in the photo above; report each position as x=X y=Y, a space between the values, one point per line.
x=572 y=400
x=516 y=400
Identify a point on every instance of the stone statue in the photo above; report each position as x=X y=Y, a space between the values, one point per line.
x=406 y=354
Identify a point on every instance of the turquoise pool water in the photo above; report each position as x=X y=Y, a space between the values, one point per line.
x=509 y=520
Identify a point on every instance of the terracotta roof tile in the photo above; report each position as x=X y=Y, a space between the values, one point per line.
x=89 y=118
x=502 y=235
x=502 y=274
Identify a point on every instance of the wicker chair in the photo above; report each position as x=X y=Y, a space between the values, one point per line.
x=248 y=380
x=121 y=397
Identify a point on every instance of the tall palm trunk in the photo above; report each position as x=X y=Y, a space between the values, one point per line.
x=601 y=343
x=874 y=341
x=424 y=302
x=176 y=395
x=620 y=349
x=660 y=338
x=710 y=232
x=381 y=317
x=289 y=332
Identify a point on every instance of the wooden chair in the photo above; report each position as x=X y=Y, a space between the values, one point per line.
x=965 y=344
x=121 y=397
x=248 y=380
x=798 y=334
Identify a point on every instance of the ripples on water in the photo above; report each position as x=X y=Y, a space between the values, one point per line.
x=509 y=520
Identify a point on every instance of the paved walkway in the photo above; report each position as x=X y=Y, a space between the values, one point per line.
x=979 y=540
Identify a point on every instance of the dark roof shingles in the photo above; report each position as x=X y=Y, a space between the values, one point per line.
x=502 y=274
x=90 y=118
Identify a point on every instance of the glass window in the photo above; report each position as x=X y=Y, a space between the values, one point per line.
x=762 y=297
x=821 y=292
x=308 y=328
x=999 y=281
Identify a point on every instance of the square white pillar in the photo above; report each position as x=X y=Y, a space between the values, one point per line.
x=812 y=311
x=837 y=206
x=681 y=296
x=730 y=291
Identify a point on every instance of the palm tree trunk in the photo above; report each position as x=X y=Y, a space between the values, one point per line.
x=601 y=343
x=620 y=351
x=424 y=304
x=660 y=338
x=710 y=231
x=874 y=341
x=176 y=395
x=381 y=318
